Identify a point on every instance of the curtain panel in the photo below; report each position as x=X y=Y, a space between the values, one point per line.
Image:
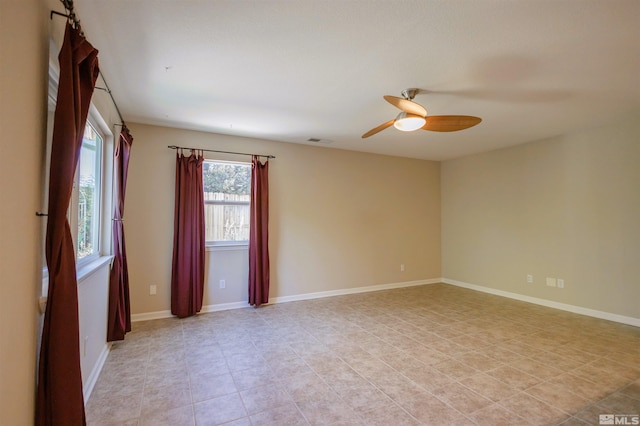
x=119 y=319
x=187 y=275
x=259 y=234
x=59 y=396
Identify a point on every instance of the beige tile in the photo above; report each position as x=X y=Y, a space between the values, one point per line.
x=308 y=387
x=612 y=367
x=513 y=377
x=166 y=397
x=428 y=378
x=350 y=359
x=181 y=416
x=579 y=386
x=328 y=413
x=496 y=415
x=455 y=369
x=533 y=410
x=500 y=354
x=219 y=410
x=535 y=368
x=428 y=409
x=110 y=421
x=461 y=398
x=428 y=356
x=264 y=398
x=252 y=377
x=401 y=361
x=364 y=398
x=603 y=378
x=158 y=377
x=207 y=366
x=488 y=386
x=590 y=414
x=633 y=390
x=558 y=396
x=288 y=415
x=619 y=403
x=239 y=362
x=113 y=388
x=631 y=359
x=574 y=421
x=470 y=342
x=478 y=361
x=324 y=362
x=396 y=385
x=208 y=386
x=342 y=377
x=101 y=410
x=390 y=414
x=289 y=368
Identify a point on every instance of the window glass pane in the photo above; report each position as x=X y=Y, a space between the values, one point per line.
x=227 y=195
x=227 y=179
x=89 y=193
x=226 y=222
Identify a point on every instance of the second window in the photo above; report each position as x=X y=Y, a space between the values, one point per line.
x=227 y=197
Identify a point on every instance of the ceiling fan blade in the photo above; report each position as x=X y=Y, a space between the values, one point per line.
x=450 y=123
x=378 y=129
x=406 y=105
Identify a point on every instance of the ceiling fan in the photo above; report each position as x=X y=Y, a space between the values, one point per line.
x=414 y=117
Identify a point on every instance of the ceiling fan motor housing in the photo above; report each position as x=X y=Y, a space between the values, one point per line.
x=409 y=94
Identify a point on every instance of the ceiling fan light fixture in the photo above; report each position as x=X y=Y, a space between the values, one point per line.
x=407 y=122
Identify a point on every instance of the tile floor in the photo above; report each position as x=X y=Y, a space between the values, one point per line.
x=433 y=354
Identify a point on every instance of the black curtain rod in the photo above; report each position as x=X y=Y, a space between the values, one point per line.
x=223 y=152
x=71 y=15
x=106 y=89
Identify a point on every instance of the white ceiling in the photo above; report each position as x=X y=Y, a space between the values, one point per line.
x=294 y=70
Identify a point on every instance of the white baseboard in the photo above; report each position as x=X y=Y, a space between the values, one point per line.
x=87 y=388
x=282 y=299
x=225 y=306
x=354 y=290
x=146 y=316
x=548 y=303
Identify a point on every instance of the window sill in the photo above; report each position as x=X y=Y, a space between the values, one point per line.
x=228 y=247
x=82 y=273
x=90 y=268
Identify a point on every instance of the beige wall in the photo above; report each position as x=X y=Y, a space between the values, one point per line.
x=23 y=79
x=339 y=219
x=567 y=208
x=25 y=29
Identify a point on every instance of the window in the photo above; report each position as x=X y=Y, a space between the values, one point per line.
x=85 y=205
x=227 y=196
x=88 y=178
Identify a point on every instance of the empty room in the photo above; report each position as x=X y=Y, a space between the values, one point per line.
x=320 y=212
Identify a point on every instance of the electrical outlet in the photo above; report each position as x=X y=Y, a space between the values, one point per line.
x=153 y=289
x=560 y=283
x=84 y=346
x=530 y=279
x=551 y=282
x=223 y=284
x=402 y=267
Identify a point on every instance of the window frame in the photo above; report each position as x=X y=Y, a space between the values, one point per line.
x=74 y=204
x=221 y=244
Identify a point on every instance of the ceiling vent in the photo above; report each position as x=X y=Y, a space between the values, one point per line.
x=319 y=141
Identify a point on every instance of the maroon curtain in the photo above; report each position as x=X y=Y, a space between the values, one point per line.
x=187 y=275
x=119 y=320
x=259 y=234
x=59 y=398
